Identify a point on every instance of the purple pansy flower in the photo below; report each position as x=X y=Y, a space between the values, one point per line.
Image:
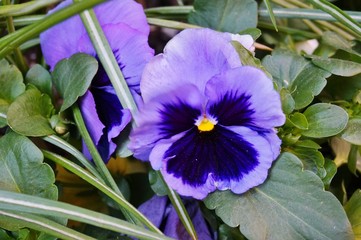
x=163 y=215
x=125 y=26
x=207 y=122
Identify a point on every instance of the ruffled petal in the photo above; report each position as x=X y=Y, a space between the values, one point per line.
x=192 y=57
x=245 y=96
x=90 y=115
x=103 y=123
x=57 y=43
x=164 y=117
x=195 y=164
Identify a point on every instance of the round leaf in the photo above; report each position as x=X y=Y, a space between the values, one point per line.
x=22 y=169
x=29 y=114
x=291 y=204
x=325 y=120
x=11 y=82
x=225 y=16
x=72 y=77
x=40 y=78
x=299 y=76
x=352 y=132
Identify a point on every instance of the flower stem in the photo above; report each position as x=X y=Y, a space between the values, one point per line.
x=74 y=168
x=19 y=58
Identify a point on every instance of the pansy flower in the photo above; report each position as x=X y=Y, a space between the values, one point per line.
x=207 y=122
x=125 y=26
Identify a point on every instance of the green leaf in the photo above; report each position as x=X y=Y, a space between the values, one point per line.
x=30 y=204
x=352 y=159
x=291 y=204
x=22 y=169
x=40 y=78
x=331 y=170
x=299 y=76
x=325 y=120
x=338 y=67
x=353 y=211
x=247 y=57
x=352 y=132
x=157 y=184
x=11 y=82
x=72 y=77
x=288 y=104
x=311 y=158
x=4 y=235
x=225 y=232
x=30 y=113
x=225 y=16
x=298 y=120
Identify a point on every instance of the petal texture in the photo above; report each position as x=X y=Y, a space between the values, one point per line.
x=199 y=54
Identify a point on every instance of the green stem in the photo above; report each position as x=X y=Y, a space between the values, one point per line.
x=180 y=208
x=97 y=158
x=291 y=31
x=19 y=58
x=170 y=23
x=42 y=224
x=106 y=57
x=72 y=167
x=59 y=142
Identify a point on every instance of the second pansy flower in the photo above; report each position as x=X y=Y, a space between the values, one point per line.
x=126 y=28
x=207 y=122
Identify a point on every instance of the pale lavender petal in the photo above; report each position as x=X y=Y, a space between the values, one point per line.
x=192 y=57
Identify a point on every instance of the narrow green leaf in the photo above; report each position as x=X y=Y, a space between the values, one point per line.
x=25 y=8
x=11 y=82
x=73 y=76
x=338 y=14
x=338 y=66
x=35 y=205
x=14 y=40
x=299 y=76
x=271 y=14
x=40 y=78
x=291 y=204
x=353 y=210
x=225 y=16
x=22 y=169
x=107 y=58
x=352 y=132
x=99 y=184
x=325 y=120
x=41 y=224
x=29 y=114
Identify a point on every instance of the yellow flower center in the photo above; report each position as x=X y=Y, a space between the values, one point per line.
x=205 y=125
